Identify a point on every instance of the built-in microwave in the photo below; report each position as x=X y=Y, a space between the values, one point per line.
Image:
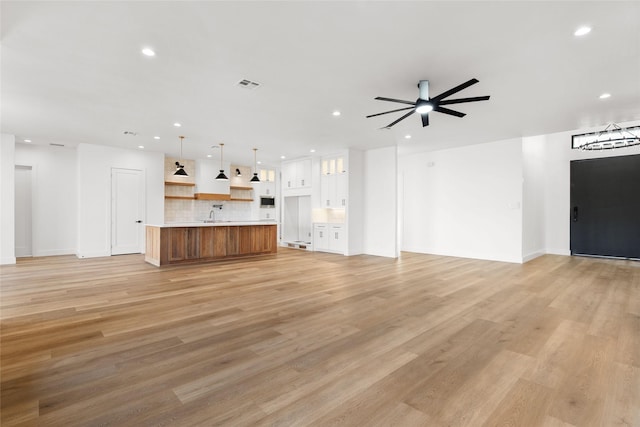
x=267 y=202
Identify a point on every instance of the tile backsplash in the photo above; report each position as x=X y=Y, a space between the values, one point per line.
x=177 y=210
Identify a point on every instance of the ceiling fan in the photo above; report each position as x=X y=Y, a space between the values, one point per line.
x=423 y=105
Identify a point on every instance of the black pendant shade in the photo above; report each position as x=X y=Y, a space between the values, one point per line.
x=221 y=176
x=255 y=169
x=180 y=170
x=180 y=167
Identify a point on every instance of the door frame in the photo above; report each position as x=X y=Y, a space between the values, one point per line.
x=33 y=168
x=143 y=206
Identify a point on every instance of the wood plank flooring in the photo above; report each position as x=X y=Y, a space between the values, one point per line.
x=315 y=339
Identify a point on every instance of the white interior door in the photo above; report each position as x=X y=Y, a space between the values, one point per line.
x=127 y=211
x=23 y=224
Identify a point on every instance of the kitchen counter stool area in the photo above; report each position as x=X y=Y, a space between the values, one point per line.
x=178 y=244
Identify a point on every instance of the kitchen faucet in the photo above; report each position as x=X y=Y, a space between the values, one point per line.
x=212 y=213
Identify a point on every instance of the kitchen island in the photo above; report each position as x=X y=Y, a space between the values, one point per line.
x=208 y=241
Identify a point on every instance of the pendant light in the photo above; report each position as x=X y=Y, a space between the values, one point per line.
x=221 y=176
x=255 y=168
x=180 y=167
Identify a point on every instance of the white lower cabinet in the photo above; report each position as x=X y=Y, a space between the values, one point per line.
x=329 y=238
x=337 y=239
x=320 y=237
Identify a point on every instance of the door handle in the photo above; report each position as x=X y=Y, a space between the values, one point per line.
x=575 y=214
x=139 y=221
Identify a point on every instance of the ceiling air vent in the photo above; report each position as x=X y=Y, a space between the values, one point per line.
x=248 y=84
x=56 y=145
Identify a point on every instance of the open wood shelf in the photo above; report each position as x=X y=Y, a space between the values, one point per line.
x=184 y=184
x=212 y=196
x=180 y=197
x=240 y=187
x=240 y=200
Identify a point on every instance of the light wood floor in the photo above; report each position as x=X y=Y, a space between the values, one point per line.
x=303 y=338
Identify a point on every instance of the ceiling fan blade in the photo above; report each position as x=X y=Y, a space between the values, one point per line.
x=392 y=111
x=381 y=98
x=448 y=111
x=455 y=90
x=425 y=119
x=400 y=119
x=461 y=100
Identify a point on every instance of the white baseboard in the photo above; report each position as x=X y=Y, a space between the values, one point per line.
x=532 y=255
x=7 y=261
x=55 y=252
x=93 y=254
x=554 y=251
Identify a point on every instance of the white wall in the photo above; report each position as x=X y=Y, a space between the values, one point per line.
x=557 y=185
x=355 y=210
x=7 y=199
x=380 y=202
x=464 y=202
x=54 y=213
x=533 y=190
x=94 y=192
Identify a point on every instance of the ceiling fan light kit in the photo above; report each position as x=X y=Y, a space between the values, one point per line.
x=424 y=104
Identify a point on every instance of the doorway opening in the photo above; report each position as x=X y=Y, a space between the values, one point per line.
x=23 y=211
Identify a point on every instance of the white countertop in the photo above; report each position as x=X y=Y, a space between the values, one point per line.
x=212 y=224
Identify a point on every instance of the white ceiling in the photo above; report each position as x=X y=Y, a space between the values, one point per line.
x=73 y=72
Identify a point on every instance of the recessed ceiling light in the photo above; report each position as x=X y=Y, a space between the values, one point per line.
x=259 y=162
x=148 y=52
x=407 y=137
x=312 y=151
x=283 y=157
x=140 y=146
x=156 y=137
x=27 y=140
x=176 y=124
x=582 y=31
x=336 y=113
x=209 y=155
x=605 y=96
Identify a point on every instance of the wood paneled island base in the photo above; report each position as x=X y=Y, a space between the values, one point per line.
x=177 y=244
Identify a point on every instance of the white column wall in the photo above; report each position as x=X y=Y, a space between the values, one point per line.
x=54 y=213
x=94 y=193
x=464 y=201
x=533 y=207
x=355 y=210
x=7 y=199
x=380 y=202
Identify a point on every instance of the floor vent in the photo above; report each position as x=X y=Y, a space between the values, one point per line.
x=248 y=84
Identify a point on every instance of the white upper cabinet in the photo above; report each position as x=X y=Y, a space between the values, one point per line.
x=267 y=175
x=296 y=174
x=334 y=184
x=267 y=188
